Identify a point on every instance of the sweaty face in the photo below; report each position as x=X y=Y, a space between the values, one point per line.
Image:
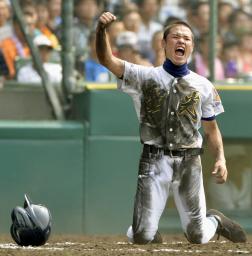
x=178 y=44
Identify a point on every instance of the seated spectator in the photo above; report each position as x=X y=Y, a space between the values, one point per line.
x=5 y=26
x=128 y=48
x=148 y=10
x=170 y=20
x=85 y=12
x=4 y=71
x=245 y=58
x=42 y=23
x=199 y=19
x=159 y=56
x=28 y=73
x=132 y=21
x=246 y=5
x=225 y=10
x=119 y=7
x=114 y=29
x=240 y=23
x=54 y=8
x=200 y=61
x=170 y=8
x=230 y=59
x=32 y=18
x=15 y=46
x=93 y=70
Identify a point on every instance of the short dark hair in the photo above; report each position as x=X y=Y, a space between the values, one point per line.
x=168 y=28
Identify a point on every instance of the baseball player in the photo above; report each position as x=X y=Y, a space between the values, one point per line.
x=172 y=102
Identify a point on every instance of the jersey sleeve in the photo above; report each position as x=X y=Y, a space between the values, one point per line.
x=133 y=77
x=212 y=106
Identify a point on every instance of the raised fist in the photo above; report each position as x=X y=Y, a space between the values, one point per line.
x=106 y=18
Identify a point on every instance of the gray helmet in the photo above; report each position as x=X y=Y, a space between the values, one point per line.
x=31 y=225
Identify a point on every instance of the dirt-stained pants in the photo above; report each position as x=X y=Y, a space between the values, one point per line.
x=158 y=174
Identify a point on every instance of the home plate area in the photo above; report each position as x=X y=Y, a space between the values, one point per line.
x=66 y=245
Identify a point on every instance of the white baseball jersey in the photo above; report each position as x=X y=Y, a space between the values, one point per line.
x=170 y=109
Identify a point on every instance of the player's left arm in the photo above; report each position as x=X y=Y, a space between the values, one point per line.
x=214 y=140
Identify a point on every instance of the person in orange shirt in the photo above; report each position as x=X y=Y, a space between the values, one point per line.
x=15 y=46
x=42 y=23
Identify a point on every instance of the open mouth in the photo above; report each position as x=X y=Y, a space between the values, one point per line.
x=180 y=51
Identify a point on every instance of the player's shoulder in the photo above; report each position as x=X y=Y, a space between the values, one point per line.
x=146 y=70
x=200 y=80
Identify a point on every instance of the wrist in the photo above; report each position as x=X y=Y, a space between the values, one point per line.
x=220 y=159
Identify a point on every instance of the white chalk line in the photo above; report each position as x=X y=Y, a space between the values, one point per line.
x=15 y=247
x=68 y=245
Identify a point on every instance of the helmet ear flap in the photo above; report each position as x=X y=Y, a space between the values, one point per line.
x=20 y=217
x=15 y=235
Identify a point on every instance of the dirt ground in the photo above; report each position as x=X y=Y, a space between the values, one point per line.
x=118 y=245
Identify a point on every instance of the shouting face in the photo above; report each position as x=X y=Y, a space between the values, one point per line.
x=178 y=44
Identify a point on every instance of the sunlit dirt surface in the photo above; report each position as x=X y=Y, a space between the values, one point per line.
x=118 y=245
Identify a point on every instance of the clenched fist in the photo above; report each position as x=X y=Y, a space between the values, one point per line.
x=106 y=18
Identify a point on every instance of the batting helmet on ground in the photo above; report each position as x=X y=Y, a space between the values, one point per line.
x=31 y=224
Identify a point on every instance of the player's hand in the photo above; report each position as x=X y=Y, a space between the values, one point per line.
x=220 y=171
x=106 y=18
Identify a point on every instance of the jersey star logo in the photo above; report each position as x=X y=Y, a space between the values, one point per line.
x=187 y=106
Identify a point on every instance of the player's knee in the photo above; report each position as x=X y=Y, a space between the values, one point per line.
x=194 y=234
x=143 y=237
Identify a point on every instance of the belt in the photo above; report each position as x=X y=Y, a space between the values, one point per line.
x=173 y=153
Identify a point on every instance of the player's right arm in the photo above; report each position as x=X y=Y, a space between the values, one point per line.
x=103 y=48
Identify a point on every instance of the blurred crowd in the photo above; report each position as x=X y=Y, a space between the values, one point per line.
x=135 y=36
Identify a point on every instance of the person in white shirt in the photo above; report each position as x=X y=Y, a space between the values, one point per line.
x=148 y=11
x=28 y=73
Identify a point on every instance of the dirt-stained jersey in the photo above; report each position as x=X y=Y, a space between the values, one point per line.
x=170 y=109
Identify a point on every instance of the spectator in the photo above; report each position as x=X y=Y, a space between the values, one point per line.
x=119 y=6
x=128 y=48
x=113 y=31
x=246 y=5
x=230 y=58
x=85 y=11
x=42 y=22
x=148 y=10
x=225 y=10
x=170 y=20
x=15 y=46
x=30 y=9
x=245 y=59
x=4 y=70
x=200 y=62
x=54 y=8
x=171 y=8
x=159 y=56
x=28 y=73
x=93 y=70
x=201 y=17
x=240 y=23
x=32 y=19
x=132 y=21
x=5 y=26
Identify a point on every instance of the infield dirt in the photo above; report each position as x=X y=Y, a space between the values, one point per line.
x=118 y=245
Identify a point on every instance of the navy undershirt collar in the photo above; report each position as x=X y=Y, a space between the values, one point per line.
x=174 y=70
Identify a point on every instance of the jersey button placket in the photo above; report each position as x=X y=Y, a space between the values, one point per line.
x=171 y=115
